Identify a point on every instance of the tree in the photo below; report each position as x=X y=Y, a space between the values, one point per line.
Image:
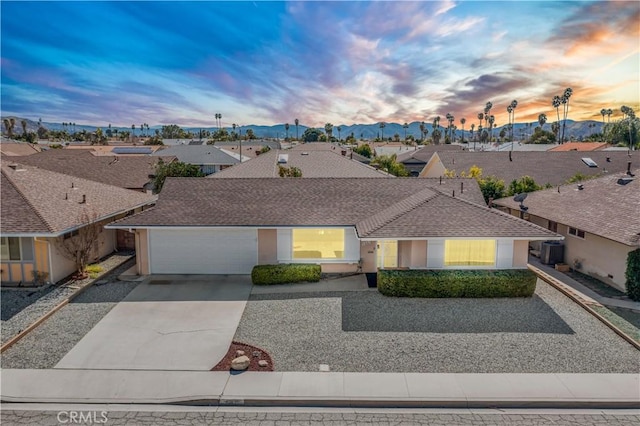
x=296 y=122
x=480 y=118
x=286 y=129
x=174 y=169
x=339 y=133
x=154 y=140
x=422 y=129
x=8 y=125
x=405 y=126
x=328 y=128
x=311 y=135
x=289 y=171
x=82 y=244
x=632 y=275
x=172 y=131
x=250 y=134
x=541 y=137
x=462 y=122
x=556 y=102
x=435 y=133
x=364 y=150
x=382 y=126
x=565 y=109
x=389 y=164
x=133 y=130
x=492 y=188
x=542 y=119
x=624 y=132
x=24 y=127
x=524 y=184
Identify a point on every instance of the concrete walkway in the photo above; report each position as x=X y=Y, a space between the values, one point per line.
x=166 y=323
x=323 y=389
x=584 y=290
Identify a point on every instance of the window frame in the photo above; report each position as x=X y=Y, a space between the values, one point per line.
x=8 y=246
x=576 y=232
x=459 y=266
x=319 y=259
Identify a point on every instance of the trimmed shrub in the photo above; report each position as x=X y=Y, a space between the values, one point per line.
x=285 y=273
x=93 y=270
x=633 y=275
x=457 y=283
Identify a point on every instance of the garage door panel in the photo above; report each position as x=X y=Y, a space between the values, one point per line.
x=203 y=251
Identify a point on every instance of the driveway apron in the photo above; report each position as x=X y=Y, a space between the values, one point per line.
x=166 y=323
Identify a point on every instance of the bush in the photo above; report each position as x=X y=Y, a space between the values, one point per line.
x=457 y=283
x=93 y=270
x=285 y=273
x=633 y=275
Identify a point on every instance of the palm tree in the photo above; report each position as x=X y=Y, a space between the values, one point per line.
x=565 y=110
x=286 y=129
x=328 y=128
x=513 y=106
x=509 y=111
x=422 y=128
x=382 y=126
x=609 y=112
x=450 y=119
x=542 y=119
x=405 y=126
x=556 y=102
x=435 y=133
x=133 y=130
x=462 y=121
x=24 y=127
x=480 y=118
x=492 y=121
x=296 y=122
x=473 y=126
x=487 y=110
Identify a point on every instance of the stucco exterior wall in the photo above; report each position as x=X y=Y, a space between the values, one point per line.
x=599 y=257
x=520 y=253
x=418 y=254
x=404 y=254
x=267 y=246
x=339 y=268
x=62 y=266
x=142 y=252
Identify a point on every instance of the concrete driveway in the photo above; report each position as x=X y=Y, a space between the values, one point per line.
x=166 y=323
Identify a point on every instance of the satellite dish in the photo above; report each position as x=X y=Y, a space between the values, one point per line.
x=520 y=197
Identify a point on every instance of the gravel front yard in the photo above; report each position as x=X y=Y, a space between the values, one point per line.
x=49 y=342
x=364 y=331
x=20 y=308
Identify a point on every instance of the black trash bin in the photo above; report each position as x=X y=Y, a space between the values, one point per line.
x=372 y=279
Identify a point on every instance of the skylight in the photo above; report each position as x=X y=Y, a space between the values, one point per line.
x=589 y=162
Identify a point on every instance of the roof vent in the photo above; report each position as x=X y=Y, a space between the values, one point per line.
x=624 y=180
x=304 y=153
x=580 y=187
x=17 y=167
x=589 y=162
x=283 y=158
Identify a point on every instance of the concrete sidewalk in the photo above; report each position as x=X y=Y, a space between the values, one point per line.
x=584 y=290
x=322 y=389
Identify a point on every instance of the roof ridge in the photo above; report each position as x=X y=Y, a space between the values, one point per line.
x=24 y=197
x=391 y=213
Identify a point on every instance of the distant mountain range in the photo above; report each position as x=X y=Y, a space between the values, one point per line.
x=366 y=131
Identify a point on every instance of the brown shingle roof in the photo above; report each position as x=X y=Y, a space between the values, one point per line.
x=12 y=149
x=36 y=201
x=130 y=172
x=554 y=168
x=393 y=207
x=602 y=208
x=318 y=163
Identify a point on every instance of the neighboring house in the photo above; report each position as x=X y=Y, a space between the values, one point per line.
x=209 y=158
x=130 y=172
x=601 y=222
x=227 y=226
x=580 y=146
x=312 y=164
x=117 y=149
x=250 y=149
x=40 y=208
x=554 y=168
x=11 y=148
x=414 y=160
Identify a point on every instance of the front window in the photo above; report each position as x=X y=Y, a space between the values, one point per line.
x=470 y=252
x=318 y=243
x=10 y=248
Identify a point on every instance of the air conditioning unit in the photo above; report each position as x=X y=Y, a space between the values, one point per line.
x=551 y=252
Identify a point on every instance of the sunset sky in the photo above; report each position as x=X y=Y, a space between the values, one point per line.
x=341 y=62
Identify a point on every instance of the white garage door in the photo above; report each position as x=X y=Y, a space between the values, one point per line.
x=203 y=251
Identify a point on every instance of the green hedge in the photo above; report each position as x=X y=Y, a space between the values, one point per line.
x=633 y=275
x=457 y=283
x=285 y=273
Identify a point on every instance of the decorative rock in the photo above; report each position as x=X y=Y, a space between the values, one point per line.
x=240 y=363
x=239 y=353
x=263 y=363
x=324 y=368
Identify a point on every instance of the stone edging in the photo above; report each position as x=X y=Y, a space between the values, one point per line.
x=55 y=309
x=558 y=285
